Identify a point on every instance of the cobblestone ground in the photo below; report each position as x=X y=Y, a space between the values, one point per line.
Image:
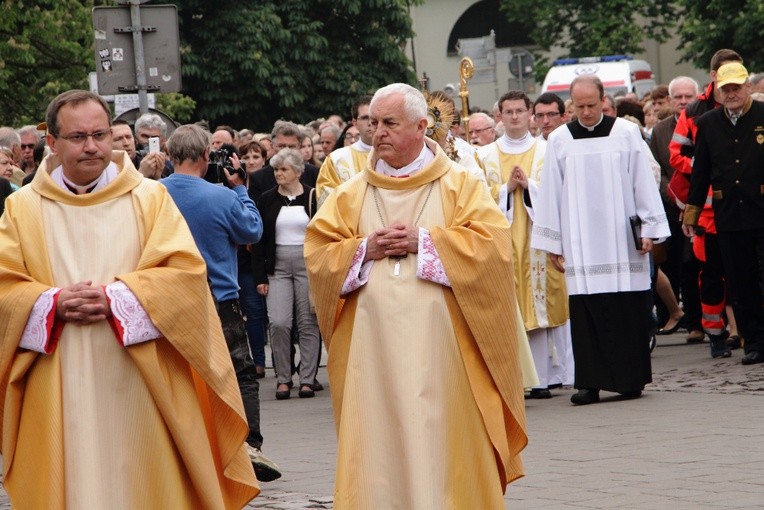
x=300 y=433
x=690 y=368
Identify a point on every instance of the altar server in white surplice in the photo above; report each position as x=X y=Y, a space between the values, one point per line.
x=595 y=180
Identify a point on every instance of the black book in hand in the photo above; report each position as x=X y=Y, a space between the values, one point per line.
x=636 y=231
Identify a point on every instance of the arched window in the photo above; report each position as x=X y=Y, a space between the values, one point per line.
x=482 y=17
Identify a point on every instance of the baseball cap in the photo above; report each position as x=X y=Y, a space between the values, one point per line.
x=734 y=72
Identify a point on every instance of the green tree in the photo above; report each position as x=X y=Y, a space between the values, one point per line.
x=248 y=63
x=177 y=106
x=709 y=25
x=585 y=29
x=46 y=47
x=244 y=62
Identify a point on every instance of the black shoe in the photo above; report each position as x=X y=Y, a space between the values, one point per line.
x=734 y=342
x=673 y=329
x=628 y=395
x=539 y=393
x=584 y=397
x=306 y=391
x=753 y=357
x=265 y=469
x=316 y=386
x=719 y=347
x=283 y=394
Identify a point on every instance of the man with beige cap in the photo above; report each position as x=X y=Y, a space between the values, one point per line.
x=729 y=155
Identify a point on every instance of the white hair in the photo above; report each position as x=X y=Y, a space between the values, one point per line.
x=682 y=79
x=414 y=104
x=484 y=116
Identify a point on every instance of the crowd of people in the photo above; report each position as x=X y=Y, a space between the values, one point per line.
x=451 y=271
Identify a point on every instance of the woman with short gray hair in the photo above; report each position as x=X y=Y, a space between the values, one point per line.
x=280 y=275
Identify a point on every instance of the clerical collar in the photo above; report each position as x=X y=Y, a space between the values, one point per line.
x=109 y=174
x=509 y=145
x=360 y=146
x=592 y=128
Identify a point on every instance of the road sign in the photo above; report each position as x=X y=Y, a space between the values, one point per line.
x=125 y=102
x=115 y=54
x=521 y=63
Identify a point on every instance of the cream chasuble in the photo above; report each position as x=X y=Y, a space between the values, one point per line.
x=95 y=424
x=424 y=409
x=404 y=360
x=103 y=395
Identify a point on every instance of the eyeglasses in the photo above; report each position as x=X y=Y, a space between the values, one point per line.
x=352 y=138
x=81 y=138
x=25 y=146
x=476 y=131
x=363 y=117
x=513 y=113
x=550 y=115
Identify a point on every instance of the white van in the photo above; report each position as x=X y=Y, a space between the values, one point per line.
x=617 y=72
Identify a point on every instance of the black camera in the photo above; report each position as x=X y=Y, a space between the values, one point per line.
x=220 y=160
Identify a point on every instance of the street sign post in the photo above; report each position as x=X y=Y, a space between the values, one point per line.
x=137 y=49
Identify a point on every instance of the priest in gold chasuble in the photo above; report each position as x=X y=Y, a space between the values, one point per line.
x=410 y=270
x=117 y=387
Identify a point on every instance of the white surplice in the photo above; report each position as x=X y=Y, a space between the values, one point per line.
x=590 y=186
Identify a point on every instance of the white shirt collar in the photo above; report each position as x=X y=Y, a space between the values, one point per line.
x=509 y=145
x=590 y=129
x=360 y=146
x=426 y=156
x=109 y=174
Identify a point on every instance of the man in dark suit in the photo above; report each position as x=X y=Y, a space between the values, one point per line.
x=285 y=135
x=729 y=155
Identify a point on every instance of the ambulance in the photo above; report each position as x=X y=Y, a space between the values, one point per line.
x=619 y=73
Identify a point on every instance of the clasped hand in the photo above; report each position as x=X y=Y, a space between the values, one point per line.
x=82 y=302
x=517 y=178
x=396 y=241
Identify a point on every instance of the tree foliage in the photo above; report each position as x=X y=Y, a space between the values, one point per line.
x=248 y=63
x=583 y=29
x=244 y=62
x=46 y=47
x=177 y=106
x=709 y=25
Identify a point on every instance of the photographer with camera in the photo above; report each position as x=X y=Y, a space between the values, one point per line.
x=220 y=218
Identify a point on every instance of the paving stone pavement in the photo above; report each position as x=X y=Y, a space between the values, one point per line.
x=694 y=441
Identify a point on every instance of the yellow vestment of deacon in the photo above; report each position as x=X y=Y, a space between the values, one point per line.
x=542 y=294
x=427 y=386
x=338 y=167
x=159 y=424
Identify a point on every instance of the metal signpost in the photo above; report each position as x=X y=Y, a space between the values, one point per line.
x=137 y=49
